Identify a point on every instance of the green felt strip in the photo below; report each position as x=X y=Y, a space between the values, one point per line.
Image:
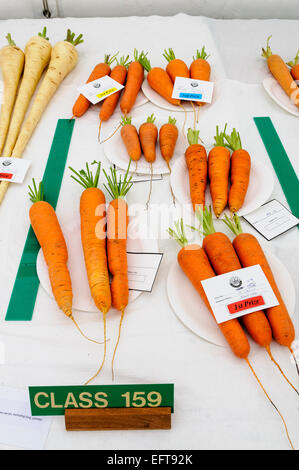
x=280 y=161
x=26 y=285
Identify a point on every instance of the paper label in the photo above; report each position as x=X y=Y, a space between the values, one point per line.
x=238 y=293
x=142 y=270
x=99 y=89
x=272 y=219
x=13 y=169
x=193 y=90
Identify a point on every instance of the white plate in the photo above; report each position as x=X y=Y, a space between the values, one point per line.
x=192 y=311
x=274 y=90
x=116 y=152
x=259 y=189
x=158 y=100
x=82 y=298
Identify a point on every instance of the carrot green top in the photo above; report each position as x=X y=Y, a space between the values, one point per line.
x=124 y=61
x=144 y=61
x=118 y=188
x=126 y=120
x=86 y=177
x=233 y=140
x=10 y=40
x=201 y=54
x=43 y=34
x=172 y=121
x=169 y=55
x=138 y=56
x=267 y=52
x=151 y=118
x=294 y=62
x=109 y=59
x=178 y=233
x=36 y=194
x=220 y=136
x=205 y=218
x=192 y=136
x=233 y=223
x=70 y=37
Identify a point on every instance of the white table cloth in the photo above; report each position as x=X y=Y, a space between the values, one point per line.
x=218 y=404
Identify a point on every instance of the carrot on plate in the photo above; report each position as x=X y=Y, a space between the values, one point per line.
x=240 y=165
x=130 y=138
x=93 y=237
x=168 y=136
x=175 y=67
x=281 y=73
x=200 y=68
x=197 y=164
x=294 y=64
x=117 y=226
x=148 y=135
x=133 y=84
x=100 y=70
x=218 y=169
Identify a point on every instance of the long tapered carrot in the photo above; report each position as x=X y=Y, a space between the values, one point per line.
x=133 y=84
x=281 y=73
x=240 y=171
x=11 y=64
x=196 y=160
x=168 y=136
x=175 y=67
x=117 y=226
x=200 y=68
x=148 y=135
x=294 y=64
x=37 y=56
x=218 y=169
x=82 y=104
x=93 y=237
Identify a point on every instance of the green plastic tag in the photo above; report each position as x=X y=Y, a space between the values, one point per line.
x=50 y=401
x=26 y=285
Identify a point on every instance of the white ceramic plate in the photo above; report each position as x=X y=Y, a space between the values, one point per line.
x=82 y=298
x=192 y=311
x=158 y=100
x=274 y=90
x=116 y=152
x=259 y=190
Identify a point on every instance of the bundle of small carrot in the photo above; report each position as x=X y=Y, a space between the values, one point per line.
x=218 y=255
x=228 y=174
x=15 y=129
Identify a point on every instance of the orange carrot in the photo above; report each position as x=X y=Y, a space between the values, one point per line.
x=130 y=138
x=218 y=168
x=168 y=137
x=200 y=68
x=281 y=73
x=196 y=160
x=175 y=67
x=159 y=80
x=117 y=225
x=93 y=237
x=100 y=70
x=50 y=237
x=240 y=171
x=134 y=81
x=148 y=134
x=294 y=64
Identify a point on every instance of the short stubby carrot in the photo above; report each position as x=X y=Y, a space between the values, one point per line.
x=133 y=84
x=197 y=164
x=175 y=67
x=240 y=171
x=200 y=68
x=294 y=64
x=148 y=134
x=168 y=136
x=100 y=70
x=130 y=138
x=218 y=169
x=281 y=73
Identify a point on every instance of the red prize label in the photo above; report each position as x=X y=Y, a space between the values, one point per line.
x=245 y=304
x=7 y=176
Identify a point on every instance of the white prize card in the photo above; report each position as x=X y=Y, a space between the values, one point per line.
x=272 y=219
x=193 y=90
x=13 y=170
x=142 y=270
x=99 y=89
x=238 y=293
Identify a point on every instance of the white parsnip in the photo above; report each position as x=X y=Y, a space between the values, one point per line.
x=11 y=64
x=37 y=57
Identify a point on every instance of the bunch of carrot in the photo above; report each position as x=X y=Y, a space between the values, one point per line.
x=15 y=132
x=220 y=168
x=218 y=256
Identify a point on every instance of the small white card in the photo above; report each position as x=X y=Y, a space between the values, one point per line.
x=13 y=170
x=18 y=428
x=238 y=293
x=193 y=90
x=99 y=89
x=272 y=219
x=142 y=270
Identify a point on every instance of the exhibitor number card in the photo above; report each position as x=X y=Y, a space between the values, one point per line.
x=99 y=89
x=193 y=90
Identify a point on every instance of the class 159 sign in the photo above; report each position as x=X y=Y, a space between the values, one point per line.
x=49 y=401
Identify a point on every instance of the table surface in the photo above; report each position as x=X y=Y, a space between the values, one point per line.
x=218 y=404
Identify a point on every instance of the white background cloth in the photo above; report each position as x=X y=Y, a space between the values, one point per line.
x=218 y=404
